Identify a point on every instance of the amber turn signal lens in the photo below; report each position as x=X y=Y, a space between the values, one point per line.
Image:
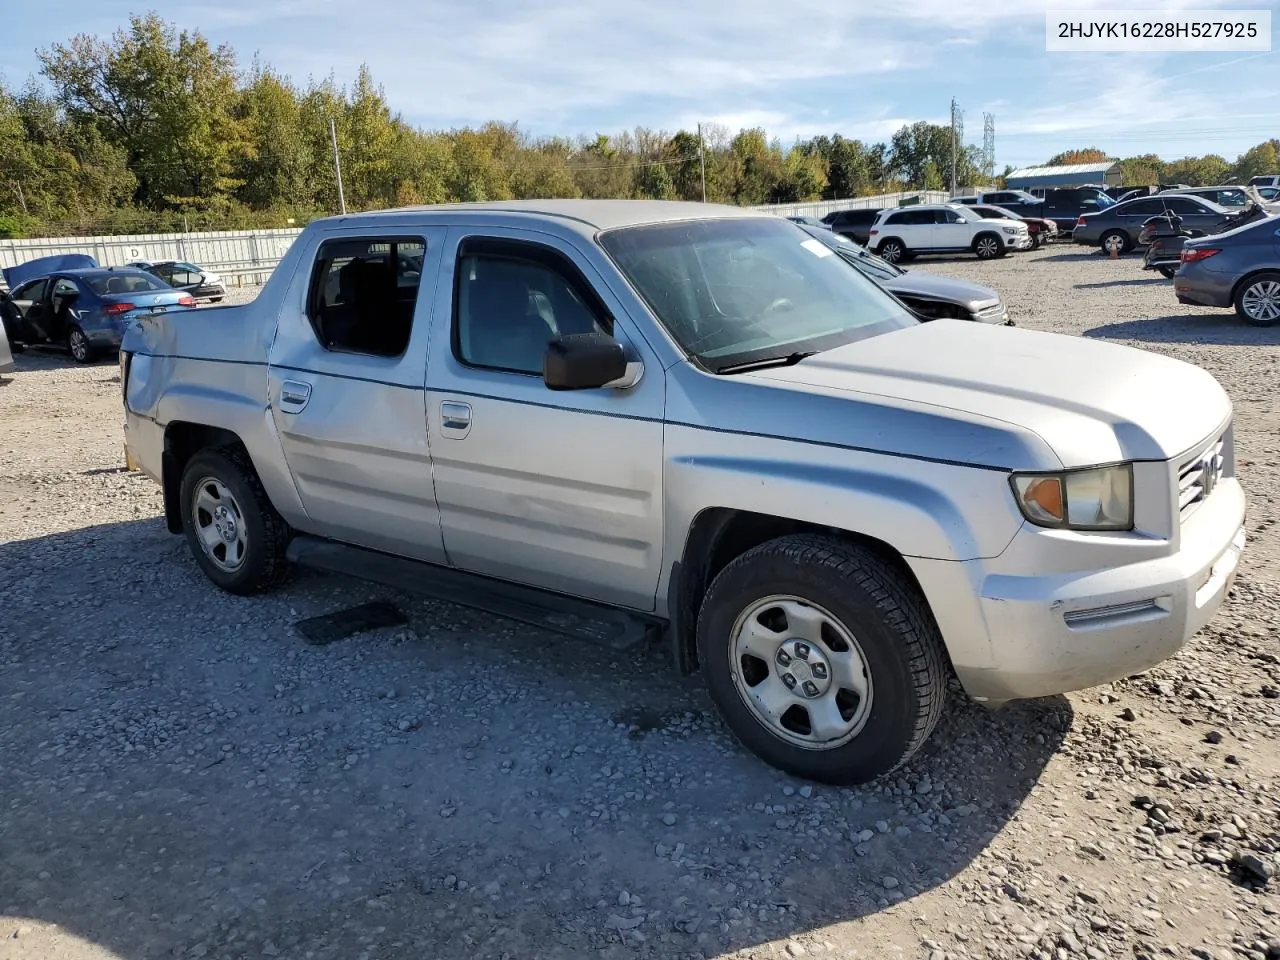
x=1042 y=496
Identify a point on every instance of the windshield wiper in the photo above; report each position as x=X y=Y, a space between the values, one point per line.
x=785 y=361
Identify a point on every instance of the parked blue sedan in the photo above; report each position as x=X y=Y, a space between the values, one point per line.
x=85 y=310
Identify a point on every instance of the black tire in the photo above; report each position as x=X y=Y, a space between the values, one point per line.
x=988 y=246
x=78 y=345
x=892 y=249
x=1167 y=272
x=1035 y=241
x=893 y=628
x=1267 y=281
x=1126 y=243
x=263 y=563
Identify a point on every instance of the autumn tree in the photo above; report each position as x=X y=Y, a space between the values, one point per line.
x=1083 y=155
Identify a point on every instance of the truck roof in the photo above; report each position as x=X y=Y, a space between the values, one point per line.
x=596 y=214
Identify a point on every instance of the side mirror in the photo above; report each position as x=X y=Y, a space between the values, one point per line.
x=587 y=361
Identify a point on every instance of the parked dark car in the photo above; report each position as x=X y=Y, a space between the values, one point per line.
x=1042 y=231
x=928 y=295
x=200 y=282
x=1239 y=268
x=1120 y=225
x=1165 y=236
x=855 y=224
x=1062 y=205
x=85 y=310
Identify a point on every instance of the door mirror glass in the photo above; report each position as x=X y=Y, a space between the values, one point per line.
x=585 y=361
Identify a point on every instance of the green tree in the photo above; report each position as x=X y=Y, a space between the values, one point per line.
x=653 y=181
x=166 y=97
x=1203 y=171
x=1142 y=171
x=1258 y=161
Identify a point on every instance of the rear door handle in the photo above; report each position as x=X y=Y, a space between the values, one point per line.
x=455 y=418
x=294 y=395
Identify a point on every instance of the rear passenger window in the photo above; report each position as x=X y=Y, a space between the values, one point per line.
x=511 y=299
x=363 y=294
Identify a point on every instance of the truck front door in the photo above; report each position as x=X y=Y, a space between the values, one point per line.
x=560 y=490
x=346 y=385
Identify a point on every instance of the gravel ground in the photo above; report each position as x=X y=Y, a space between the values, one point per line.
x=183 y=776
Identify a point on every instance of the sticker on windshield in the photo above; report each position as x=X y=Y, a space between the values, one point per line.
x=816 y=247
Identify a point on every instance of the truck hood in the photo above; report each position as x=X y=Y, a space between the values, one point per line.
x=1088 y=402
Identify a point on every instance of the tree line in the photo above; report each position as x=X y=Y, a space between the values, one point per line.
x=154 y=129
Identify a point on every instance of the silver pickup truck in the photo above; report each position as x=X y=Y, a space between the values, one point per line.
x=626 y=420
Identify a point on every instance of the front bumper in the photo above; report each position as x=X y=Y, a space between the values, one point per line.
x=1019 y=242
x=1015 y=636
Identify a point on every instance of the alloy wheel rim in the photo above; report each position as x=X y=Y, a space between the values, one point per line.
x=1261 y=301
x=800 y=672
x=219 y=524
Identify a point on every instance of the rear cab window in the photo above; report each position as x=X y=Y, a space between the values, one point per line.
x=363 y=294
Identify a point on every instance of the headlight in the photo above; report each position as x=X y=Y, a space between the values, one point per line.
x=1010 y=230
x=1099 y=498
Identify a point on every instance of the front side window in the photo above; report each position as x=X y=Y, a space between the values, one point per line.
x=359 y=302
x=738 y=290
x=512 y=298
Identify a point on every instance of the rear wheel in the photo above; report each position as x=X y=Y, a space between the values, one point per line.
x=988 y=246
x=1167 y=272
x=822 y=658
x=78 y=345
x=1258 y=300
x=234 y=533
x=1116 y=240
x=892 y=250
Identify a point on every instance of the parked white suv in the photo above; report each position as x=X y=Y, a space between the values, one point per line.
x=902 y=232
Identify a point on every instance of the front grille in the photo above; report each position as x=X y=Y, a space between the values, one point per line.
x=1198 y=475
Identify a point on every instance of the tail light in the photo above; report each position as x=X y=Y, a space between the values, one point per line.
x=1080 y=220
x=1196 y=254
x=112 y=309
x=874 y=231
x=186 y=300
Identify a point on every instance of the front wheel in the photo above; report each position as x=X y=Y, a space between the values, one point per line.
x=78 y=345
x=823 y=659
x=234 y=533
x=1258 y=300
x=988 y=246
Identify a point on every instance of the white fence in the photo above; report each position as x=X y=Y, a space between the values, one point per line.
x=823 y=207
x=251 y=254
x=230 y=252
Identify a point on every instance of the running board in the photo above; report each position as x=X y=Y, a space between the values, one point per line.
x=571 y=616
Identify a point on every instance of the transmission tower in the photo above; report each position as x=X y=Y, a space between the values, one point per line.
x=988 y=145
x=957 y=139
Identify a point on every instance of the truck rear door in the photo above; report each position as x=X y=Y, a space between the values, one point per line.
x=346 y=384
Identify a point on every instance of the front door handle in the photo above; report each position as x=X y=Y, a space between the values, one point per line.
x=294 y=395
x=455 y=418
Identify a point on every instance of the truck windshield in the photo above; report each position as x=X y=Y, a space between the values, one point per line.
x=736 y=291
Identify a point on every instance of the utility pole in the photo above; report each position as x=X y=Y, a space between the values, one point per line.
x=988 y=146
x=953 y=146
x=337 y=166
x=702 y=164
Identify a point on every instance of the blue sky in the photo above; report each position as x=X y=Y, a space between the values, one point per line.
x=796 y=67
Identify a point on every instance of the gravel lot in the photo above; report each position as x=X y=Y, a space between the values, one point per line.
x=184 y=776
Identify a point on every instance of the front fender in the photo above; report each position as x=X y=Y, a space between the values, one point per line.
x=920 y=508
